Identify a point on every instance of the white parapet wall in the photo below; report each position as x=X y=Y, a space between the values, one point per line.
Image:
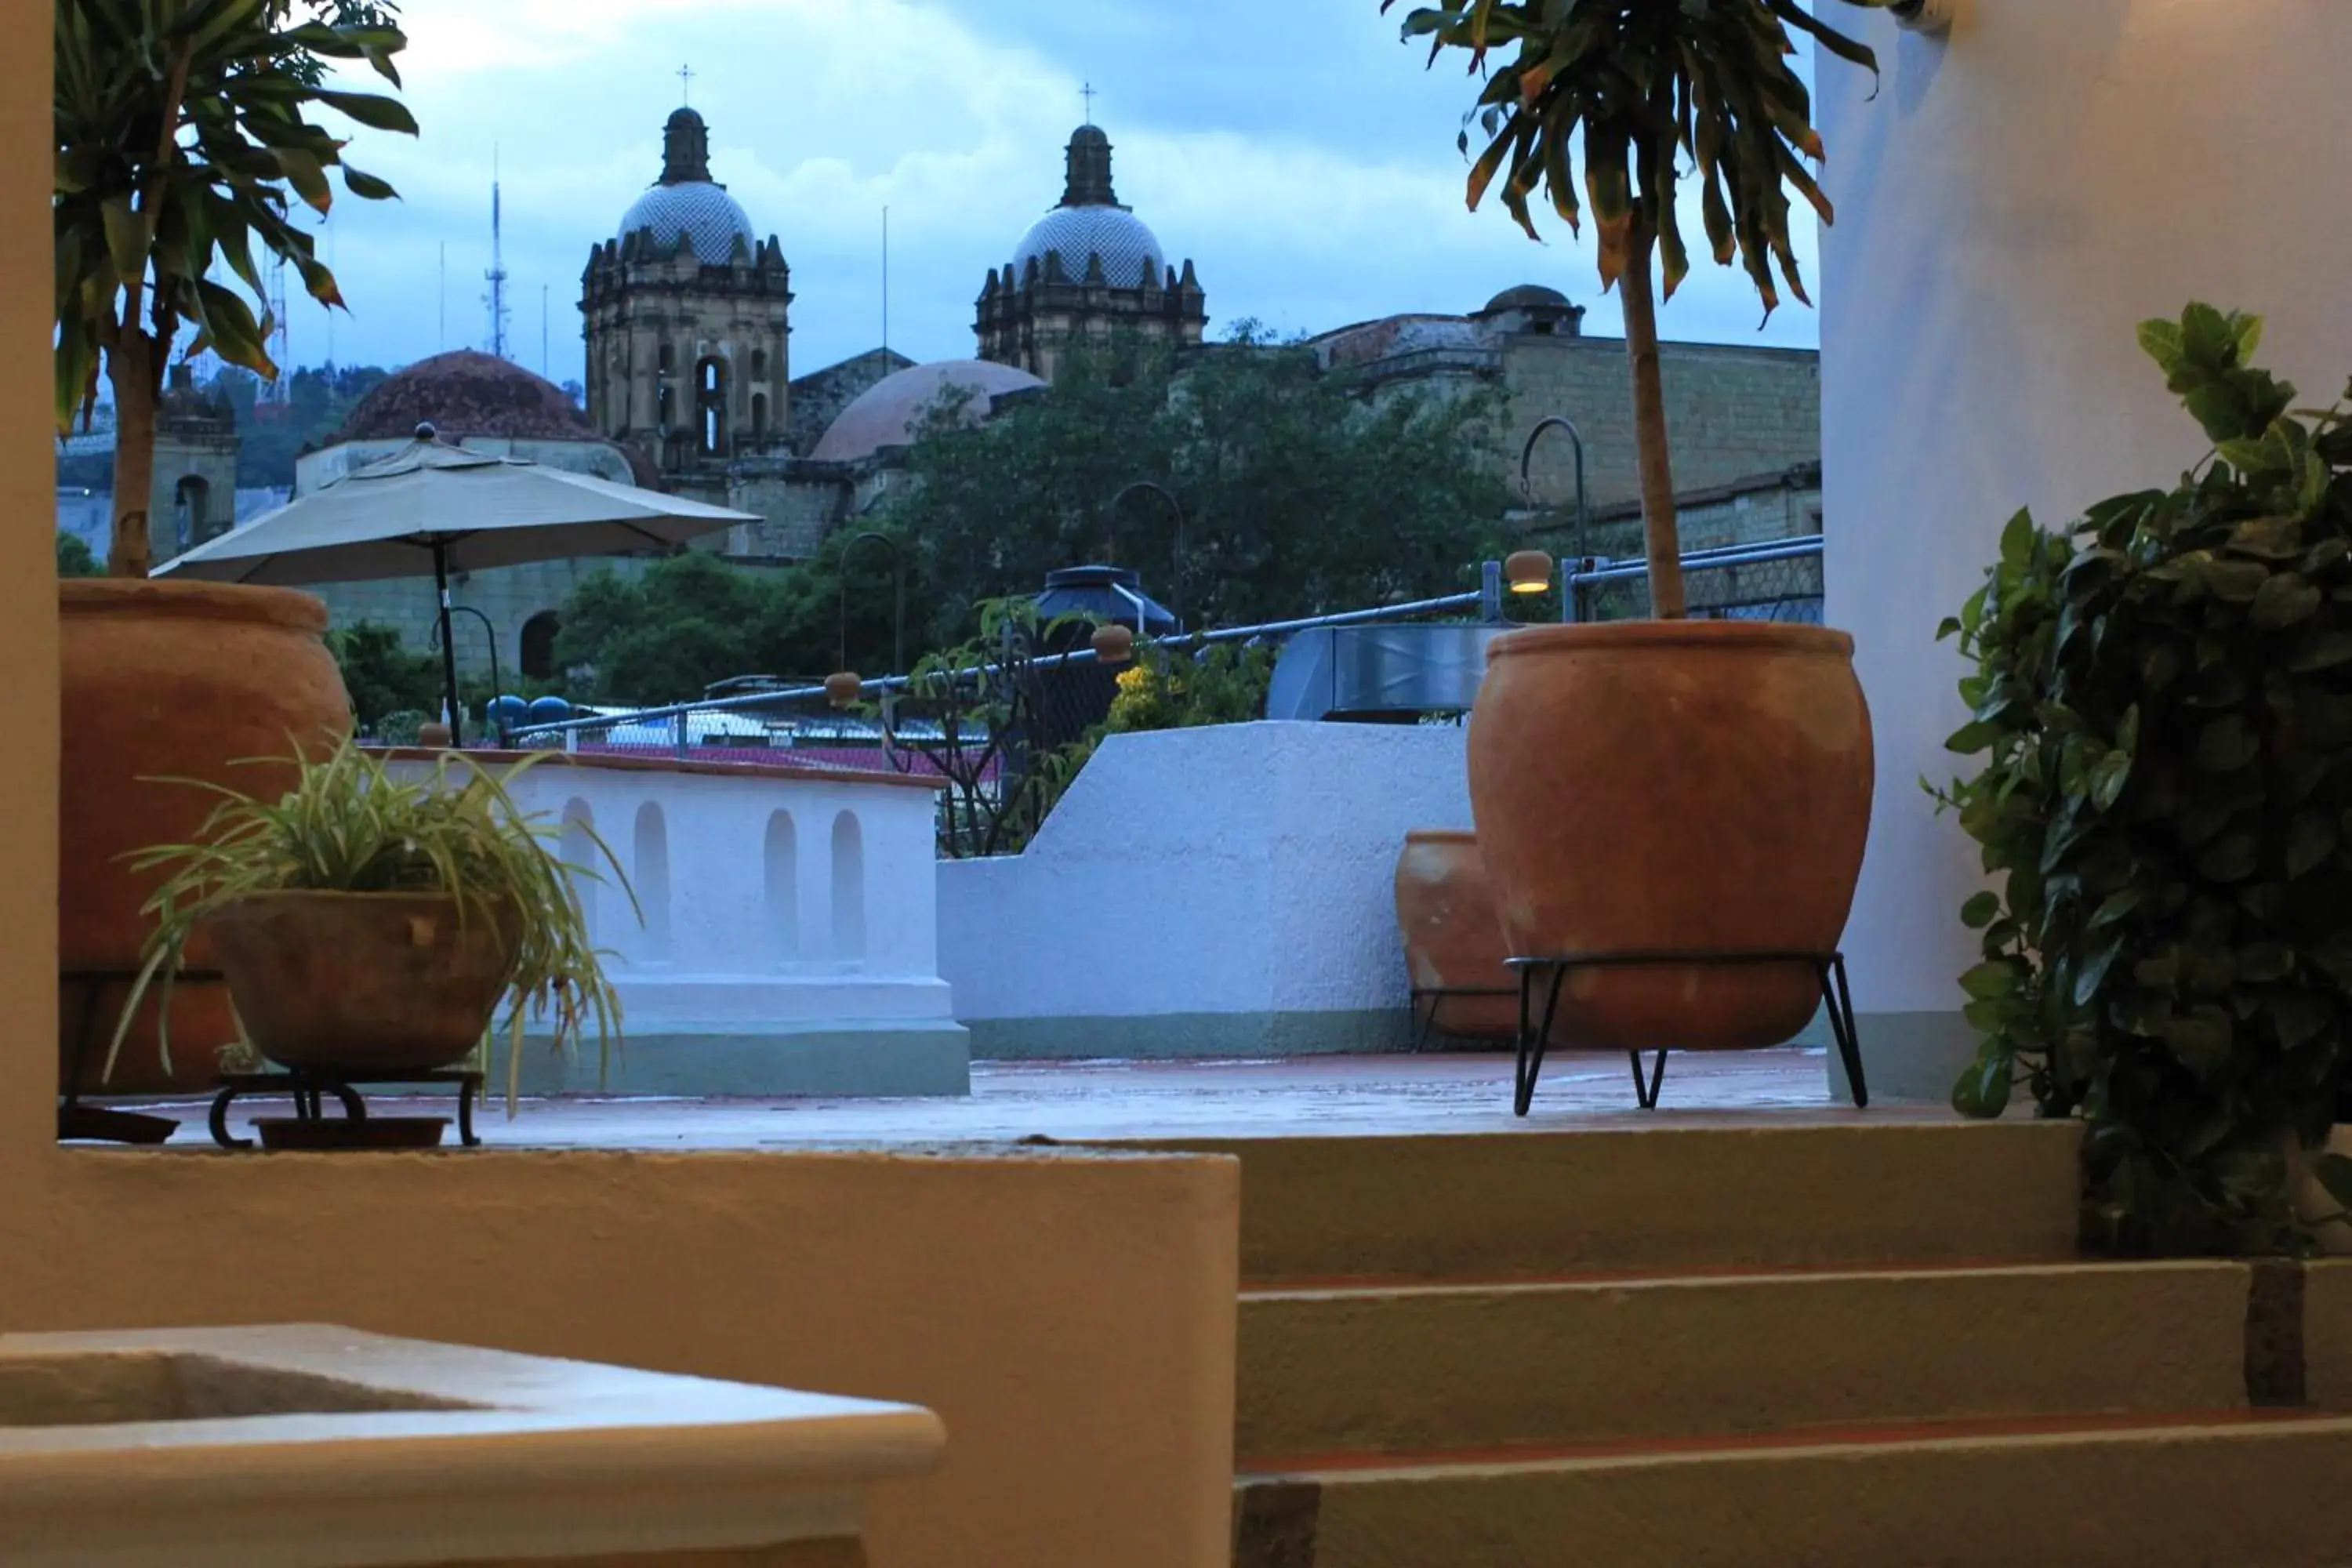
x=2011 y=201
x=788 y=942
x=1215 y=892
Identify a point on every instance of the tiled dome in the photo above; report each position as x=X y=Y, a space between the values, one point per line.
x=708 y=219
x=1116 y=235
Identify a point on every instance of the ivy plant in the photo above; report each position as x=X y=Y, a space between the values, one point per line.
x=2161 y=701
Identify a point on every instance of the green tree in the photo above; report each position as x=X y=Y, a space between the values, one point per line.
x=74 y=557
x=180 y=130
x=1648 y=93
x=1300 y=495
x=382 y=676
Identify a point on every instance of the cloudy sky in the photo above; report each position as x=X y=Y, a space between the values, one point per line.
x=1298 y=152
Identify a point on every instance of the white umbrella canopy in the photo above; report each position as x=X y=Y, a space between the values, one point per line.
x=431 y=503
x=432 y=506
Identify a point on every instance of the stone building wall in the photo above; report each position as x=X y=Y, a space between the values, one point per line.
x=1732 y=411
x=510 y=595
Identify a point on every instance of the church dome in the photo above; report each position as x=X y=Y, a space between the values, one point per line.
x=703 y=215
x=887 y=412
x=1089 y=222
x=465 y=392
x=687 y=204
x=1114 y=234
x=1525 y=297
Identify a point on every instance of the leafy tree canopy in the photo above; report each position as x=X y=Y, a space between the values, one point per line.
x=1299 y=496
x=74 y=557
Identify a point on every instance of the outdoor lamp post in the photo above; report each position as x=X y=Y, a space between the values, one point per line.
x=490 y=633
x=1583 y=506
x=1176 y=554
x=1528 y=571
x=842 y=686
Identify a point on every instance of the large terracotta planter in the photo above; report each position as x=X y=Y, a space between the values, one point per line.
x=388 y=981
x=165 y=680
x=1689 y=785
x=1452 y=941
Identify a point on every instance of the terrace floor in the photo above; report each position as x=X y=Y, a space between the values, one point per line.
x=1102 y=1100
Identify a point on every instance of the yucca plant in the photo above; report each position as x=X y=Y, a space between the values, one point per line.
x=1651 y=90
x=181 y=129
x=349 y=826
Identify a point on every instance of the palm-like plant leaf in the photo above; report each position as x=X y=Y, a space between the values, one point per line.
x=181 y=127
x=1649 y=92
x=1655 y=91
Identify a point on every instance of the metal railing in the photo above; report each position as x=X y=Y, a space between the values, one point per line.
x=678 y=717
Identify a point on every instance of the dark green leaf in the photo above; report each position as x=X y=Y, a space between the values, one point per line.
x=2283 y=600
x=1980 y=910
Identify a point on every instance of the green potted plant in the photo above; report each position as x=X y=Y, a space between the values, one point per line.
x=1669 y=785
x=2161 y=704
x=182 y=142
x=366 y=922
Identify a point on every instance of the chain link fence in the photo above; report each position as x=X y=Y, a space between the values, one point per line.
x=1779 y=582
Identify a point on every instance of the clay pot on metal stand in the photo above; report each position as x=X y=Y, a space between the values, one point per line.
x=161 y=681
x=1452 y=941
x=1674 y=786
x=373 y=982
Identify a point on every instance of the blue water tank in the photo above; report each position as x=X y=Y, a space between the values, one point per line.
x=505 y=713
x=550 y=710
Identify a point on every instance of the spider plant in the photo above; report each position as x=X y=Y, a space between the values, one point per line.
x=348 y=826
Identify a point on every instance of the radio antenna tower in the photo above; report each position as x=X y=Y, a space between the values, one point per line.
x=497 y=275
x=280 y=338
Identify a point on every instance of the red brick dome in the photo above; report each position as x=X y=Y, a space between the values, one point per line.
x=465 y=392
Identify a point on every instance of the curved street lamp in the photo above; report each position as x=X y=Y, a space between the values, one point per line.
x=490 y=634
x=1176 y=554
x=1583 y=507
x=842 y=686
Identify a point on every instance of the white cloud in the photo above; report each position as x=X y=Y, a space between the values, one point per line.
x=1307 y=208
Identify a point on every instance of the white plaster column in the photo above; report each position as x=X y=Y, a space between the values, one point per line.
x=2015 y=198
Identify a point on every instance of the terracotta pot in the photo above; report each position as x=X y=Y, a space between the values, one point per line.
x=1452 y=941
x=390 y=982
x=1704 y=786
x=167 y=680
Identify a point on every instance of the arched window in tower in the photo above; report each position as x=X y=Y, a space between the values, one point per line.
x=665 y=410
x=192 y=507
x=668 y=360
x=759 y=364
x=539 y=645
x=711 y=406
x=758 y=415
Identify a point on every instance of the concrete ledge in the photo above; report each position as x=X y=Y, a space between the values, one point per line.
x=1423 y=1369
x=1846 y=1191
x=1166 y=1036
x=842 y=1061
x=2188 y=1496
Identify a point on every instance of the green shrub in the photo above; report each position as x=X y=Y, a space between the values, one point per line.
x=2161 y=699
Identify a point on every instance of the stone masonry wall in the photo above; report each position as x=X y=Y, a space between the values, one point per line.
x=1732 y=411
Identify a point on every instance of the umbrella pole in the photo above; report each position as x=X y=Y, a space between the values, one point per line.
x=449 y=644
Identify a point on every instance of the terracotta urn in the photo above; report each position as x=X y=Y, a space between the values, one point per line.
x=159 y=681
x=1674 y=786
x=383 y=982
x=1452 y=941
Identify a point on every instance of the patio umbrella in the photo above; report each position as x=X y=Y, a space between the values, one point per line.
x=433 y=504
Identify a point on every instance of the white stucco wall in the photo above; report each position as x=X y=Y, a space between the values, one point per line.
x=2010 y=205
x=1203 y=892
x=790 y=934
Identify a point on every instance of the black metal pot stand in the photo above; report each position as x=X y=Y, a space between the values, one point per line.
x=1545 y=976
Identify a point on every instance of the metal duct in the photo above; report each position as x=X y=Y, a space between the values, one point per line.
x=1380 y=674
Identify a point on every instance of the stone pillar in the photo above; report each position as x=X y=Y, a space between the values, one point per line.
x=2011 y=203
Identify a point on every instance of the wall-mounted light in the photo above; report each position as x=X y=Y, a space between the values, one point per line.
x=1933 y=17
x=1529 y=572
